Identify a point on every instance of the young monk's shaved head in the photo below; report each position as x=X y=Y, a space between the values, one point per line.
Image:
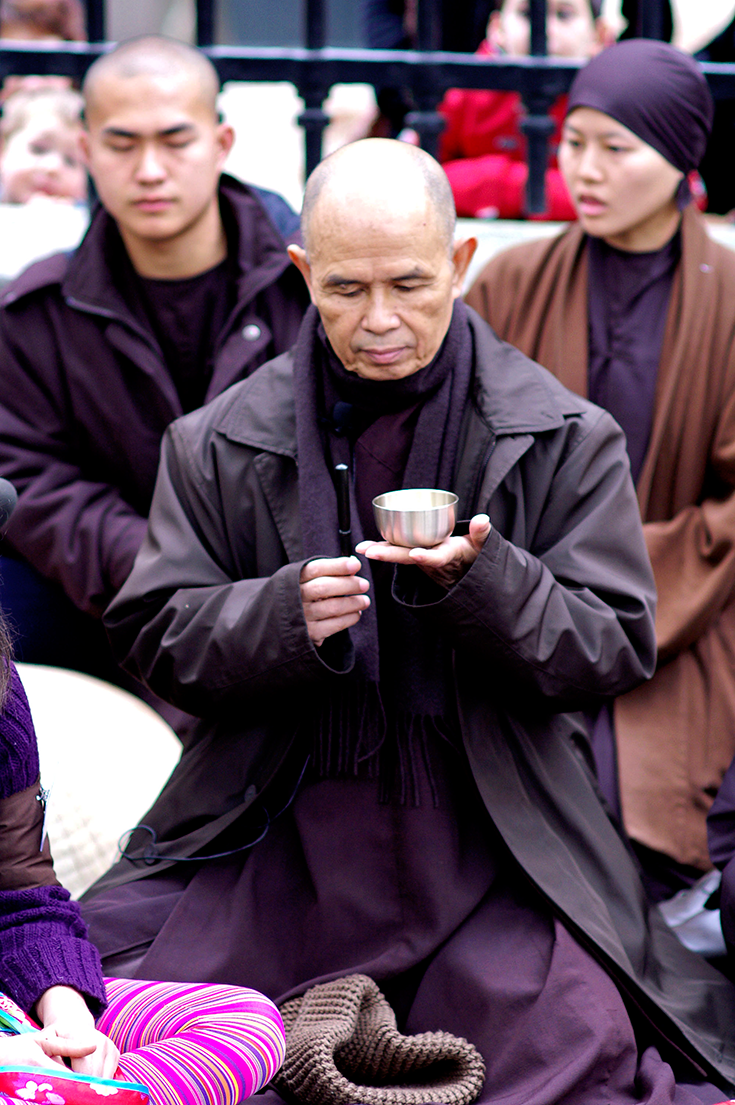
x=151 y=56
x=378 y=173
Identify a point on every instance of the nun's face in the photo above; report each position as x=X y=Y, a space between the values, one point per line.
x=624 y=190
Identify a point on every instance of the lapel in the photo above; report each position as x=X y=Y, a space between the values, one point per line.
x=264 y=419
x=685 y=373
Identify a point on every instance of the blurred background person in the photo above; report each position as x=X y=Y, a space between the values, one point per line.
x=483 y=148
x=60 y=20
x=44 y=21
x=40 y=154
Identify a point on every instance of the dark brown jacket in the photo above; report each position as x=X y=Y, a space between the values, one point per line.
x=86 y=394
x=555 y=613
x=676 y=734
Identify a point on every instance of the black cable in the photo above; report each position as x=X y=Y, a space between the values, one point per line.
x=151 y=855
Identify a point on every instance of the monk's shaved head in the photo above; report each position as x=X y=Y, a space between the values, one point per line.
x=374 y=175
x=152 y=56
x=380 y=262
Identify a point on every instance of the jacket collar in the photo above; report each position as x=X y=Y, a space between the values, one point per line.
x=90 y=278
x=513 y=395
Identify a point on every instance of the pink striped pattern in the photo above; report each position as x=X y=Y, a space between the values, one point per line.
x=193 y=1044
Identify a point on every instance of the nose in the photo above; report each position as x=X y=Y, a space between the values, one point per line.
x=589 y=167
x=149 y=169
x=51 y=161
x=380 y=316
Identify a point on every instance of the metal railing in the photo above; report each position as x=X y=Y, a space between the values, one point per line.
x=315 y=67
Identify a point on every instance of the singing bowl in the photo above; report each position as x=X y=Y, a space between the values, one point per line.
x=416 y=517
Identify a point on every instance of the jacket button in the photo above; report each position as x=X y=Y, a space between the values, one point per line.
x=251 y=332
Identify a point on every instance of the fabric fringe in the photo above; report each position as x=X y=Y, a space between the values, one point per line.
x=353 y=737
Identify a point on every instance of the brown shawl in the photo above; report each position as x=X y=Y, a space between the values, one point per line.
x=676 y=734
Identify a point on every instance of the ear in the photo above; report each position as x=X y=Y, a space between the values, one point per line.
x=300 y=260
x=462 y=254
x=83 y=141
x=225 y=140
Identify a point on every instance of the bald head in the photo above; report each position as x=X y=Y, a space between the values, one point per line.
x=156 y=57
x=367 y=178
x=380 y=261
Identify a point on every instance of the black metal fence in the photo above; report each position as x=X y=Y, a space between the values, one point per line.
x=315 y=67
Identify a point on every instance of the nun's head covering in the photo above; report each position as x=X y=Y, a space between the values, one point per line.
x=654 y=90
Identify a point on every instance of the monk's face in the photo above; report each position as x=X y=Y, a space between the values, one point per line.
x=624 y=190
x=384 y=282
x=155 y=151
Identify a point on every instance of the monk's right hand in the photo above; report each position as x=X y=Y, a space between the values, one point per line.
x=333 y=595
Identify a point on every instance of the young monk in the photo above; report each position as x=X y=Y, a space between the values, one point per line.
x=635 y=307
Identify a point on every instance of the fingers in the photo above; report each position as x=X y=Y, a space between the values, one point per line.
x=383 y=550
x=102 y=1063
x=333 y=596
x=26 y=1050
x=328 y=587
x=325 y=566
x=71 y=1048
x=480 y=527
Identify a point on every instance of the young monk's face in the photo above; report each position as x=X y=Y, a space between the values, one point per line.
x=624 y=190
x=571 y=29
x=155 y=150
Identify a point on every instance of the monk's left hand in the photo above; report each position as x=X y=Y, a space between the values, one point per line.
x=446 y=563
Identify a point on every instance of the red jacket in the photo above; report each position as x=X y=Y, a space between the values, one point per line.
x=484 y=153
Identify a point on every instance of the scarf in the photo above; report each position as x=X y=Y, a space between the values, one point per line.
x=386 y=704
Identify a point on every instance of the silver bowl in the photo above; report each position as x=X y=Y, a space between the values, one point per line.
x=416 y=517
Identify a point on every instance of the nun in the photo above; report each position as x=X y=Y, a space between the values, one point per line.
x=633 y=306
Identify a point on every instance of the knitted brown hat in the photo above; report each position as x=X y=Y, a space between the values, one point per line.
x=342 y=1045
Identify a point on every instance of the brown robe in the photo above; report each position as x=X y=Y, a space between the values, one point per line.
x=676 y=734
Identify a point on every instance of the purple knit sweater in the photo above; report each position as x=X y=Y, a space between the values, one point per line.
x=43 y=940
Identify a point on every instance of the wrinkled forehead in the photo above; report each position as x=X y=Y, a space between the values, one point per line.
x=354 y=225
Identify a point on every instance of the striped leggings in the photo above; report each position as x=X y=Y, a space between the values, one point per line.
x=193 y=1043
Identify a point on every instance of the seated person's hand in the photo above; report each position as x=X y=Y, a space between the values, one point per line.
x=333 y=595
x=446 y=563
x=27 y=1050
x=69 y=1032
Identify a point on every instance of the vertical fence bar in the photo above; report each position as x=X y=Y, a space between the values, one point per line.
x=651 y=19
x=316 y=24
x=426 y=120
x=538 y=28
x=312 y=89
x=428 y=25
x=205 y=22
x=538 y=126
x=96 y=20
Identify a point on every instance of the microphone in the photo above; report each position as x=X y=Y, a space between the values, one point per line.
x=8 y=499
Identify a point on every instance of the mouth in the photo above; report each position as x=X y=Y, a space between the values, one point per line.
x=386 y=356
x=152 y=204
x=590 y=205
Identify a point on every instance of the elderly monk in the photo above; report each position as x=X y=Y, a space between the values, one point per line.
x=387 y=778
x=181 y=286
